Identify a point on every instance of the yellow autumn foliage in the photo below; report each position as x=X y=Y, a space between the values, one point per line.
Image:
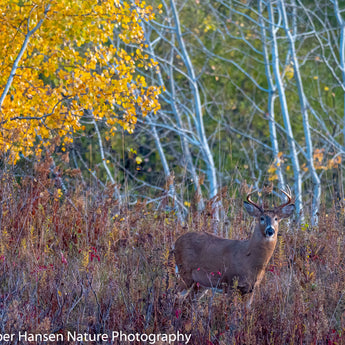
x=58 y=58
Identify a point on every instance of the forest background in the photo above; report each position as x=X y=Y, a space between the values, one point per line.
x=124 y=124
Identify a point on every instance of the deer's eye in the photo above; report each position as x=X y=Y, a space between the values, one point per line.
x=276 y=219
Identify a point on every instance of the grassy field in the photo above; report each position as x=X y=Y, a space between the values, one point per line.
x=78 y=262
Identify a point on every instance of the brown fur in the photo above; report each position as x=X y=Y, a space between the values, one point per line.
x=216 y=262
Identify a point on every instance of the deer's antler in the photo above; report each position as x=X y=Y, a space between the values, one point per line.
x=252 y=202
x=288 y=195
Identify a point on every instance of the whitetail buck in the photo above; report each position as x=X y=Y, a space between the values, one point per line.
x=215 y=262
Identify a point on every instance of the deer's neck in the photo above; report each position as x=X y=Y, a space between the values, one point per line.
x=260 y=250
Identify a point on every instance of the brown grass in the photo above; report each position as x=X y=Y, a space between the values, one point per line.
x=79 y=262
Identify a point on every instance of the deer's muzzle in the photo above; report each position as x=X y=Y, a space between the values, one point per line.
x=269 y=231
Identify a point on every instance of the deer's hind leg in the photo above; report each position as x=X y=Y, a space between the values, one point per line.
x=185 y=284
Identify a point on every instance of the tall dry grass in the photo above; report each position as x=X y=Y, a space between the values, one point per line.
x=77 y=261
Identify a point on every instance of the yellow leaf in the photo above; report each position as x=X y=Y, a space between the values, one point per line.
x=85 y=79
x=272 y=169
x=289 y=72
x=304 y=167
x=273 y=177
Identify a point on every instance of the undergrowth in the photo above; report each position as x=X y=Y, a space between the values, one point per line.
x=78 y=261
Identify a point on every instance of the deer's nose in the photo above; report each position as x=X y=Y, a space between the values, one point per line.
x=269 y=231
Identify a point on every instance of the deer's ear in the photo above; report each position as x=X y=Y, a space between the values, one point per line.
x=251 y=209
x=287 y=211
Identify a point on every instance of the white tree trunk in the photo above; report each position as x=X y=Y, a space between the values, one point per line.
x=198 y=117
x=271 y=97
x=304 y=111
x=285 y=113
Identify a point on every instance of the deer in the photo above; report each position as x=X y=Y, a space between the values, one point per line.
x=209 y=261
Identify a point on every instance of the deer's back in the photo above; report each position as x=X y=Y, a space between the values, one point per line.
x=200 y=249
x=212 y=260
